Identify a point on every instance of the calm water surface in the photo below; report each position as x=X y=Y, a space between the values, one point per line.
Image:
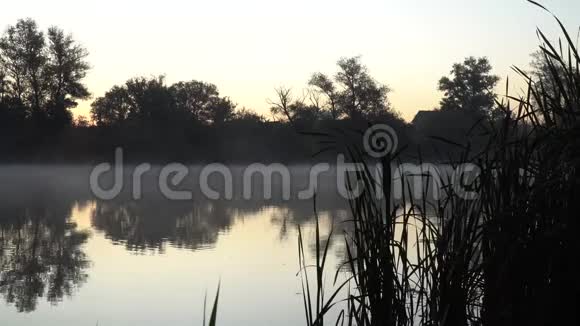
x=67 y=258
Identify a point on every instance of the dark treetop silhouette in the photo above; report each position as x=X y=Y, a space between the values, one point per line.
x=41 y=81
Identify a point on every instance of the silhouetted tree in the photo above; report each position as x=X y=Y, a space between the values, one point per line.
x=324 y=85
x=4 y=85
x=23 y=57
x=353 y=93
x=42 y=76
x=281 y=106
x=149 y=99
x=548 y=75
x=201 y=101
x=140 y=99
x=194 y=98
x=220 y=110
x=540 y=66
x=111 y=109
x=305 y=113
x=287 y=108
x=12 y=113
x=65 y=70
x=244 y=114
x=361 y=94
x=467 y=108
x=471 y=87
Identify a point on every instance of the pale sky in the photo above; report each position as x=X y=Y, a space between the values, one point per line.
x=247 y=48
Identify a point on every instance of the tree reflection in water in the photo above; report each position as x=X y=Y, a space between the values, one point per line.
x=41 y=255
x=150 y=225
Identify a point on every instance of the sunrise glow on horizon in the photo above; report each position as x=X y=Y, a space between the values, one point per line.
x=249 y=48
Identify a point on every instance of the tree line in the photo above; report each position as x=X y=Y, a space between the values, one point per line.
x=42 y=80
x=41 y=75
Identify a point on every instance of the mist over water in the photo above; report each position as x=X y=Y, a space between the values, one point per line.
x=67 y=258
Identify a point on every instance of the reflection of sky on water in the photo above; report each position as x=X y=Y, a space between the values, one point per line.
x=148 y=262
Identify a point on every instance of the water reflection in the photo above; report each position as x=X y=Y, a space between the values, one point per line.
x=151 y=224
x=48 y=250
x=41 y=254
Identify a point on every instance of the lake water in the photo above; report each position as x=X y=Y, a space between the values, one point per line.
x=68 y=258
